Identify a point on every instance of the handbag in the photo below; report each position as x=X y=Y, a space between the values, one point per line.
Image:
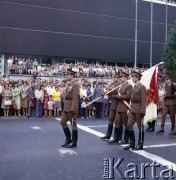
x=83 y=104
x=14 y=106
x=8 y=102
x=32 y=103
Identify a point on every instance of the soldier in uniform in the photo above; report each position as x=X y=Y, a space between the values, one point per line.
x=113 y=109
x=70 y=110
x=169 y=104
x=137 y=112
x=123 y=98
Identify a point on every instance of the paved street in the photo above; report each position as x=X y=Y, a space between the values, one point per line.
x=30 y=149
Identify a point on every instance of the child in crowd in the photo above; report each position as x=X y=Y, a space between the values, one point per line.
x=50 y=105
x=45 y=104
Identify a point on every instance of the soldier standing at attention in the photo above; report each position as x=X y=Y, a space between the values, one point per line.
x=113 y=109
x=169 y=105
x=123 y=97
x=70 y=110
x=137 y=112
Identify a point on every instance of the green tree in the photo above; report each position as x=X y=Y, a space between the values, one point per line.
x=169 y=56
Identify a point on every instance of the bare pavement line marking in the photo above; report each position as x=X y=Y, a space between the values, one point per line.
x=143 y=153
x=160 y=145
x=157 y=159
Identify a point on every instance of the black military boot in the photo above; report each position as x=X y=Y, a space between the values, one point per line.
x=120 y=132
x=132 y=141
x=116 y=136
x=126 y=137
x=140 y=141
x=74 y=140
x=68 y=136
x=149 y=125
x=152 y=127
x=109 y=132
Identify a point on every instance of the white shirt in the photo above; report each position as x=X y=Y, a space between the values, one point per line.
x=83 y=92
x=39 y=94
x=50 y=90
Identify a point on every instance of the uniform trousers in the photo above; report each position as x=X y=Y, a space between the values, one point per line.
x=66 y=116
x=168 y=109
x=112 y=115
x=135 y=117
x=121 y=118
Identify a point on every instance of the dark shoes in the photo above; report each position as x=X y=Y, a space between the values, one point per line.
x=150 y=130
x=173 y=133
x=74 y=140
x=112 y=141
x=130 y=146
x=160 y=131
x=71 y=145
x=106 y=137
x=108 y=133
x=139 y=147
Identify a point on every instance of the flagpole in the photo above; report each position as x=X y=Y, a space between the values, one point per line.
x=136 y=25
x=166 y=20
x=151 y=35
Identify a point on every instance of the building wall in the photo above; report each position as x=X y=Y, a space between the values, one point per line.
x=98 y=29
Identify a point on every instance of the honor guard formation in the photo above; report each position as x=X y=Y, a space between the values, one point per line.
x=128 y=106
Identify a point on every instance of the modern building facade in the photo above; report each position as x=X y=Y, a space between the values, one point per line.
x=84 y=31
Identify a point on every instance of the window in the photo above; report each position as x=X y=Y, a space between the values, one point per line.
x=70 y=61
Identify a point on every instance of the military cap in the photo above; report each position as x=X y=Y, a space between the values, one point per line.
x=70 y=71
x=169 y=76
x=124 y=74
x=134 y=73
x=118 y=75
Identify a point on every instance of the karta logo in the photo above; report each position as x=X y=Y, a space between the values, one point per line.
x=113 y=170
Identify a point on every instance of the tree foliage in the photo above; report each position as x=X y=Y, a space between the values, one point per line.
x=169 y=56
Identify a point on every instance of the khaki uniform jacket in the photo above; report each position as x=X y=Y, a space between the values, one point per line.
x=71 y=102
x=114 y=101
x=124 y=94
x=170 y=97
x=138 y=99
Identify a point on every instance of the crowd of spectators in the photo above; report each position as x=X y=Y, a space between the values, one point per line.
x=23 y=66
x=40 y=98
x=45 y=98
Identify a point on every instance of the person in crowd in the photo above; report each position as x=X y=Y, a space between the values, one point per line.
x=45 y=104
x=106 y=103
x=160 y=98
x=70 y=110
x=89 y=99
x=24 y=99
x=50 y=89
x=39 y=101
x=169 y=104
x=50 y=106
x=16 y=92
x=83 y=101
x=137 y=112
x=99 y=103
x=56 y=95
x=6 y=100
x=94 y=104
x=1 y=89
x=31 y=100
